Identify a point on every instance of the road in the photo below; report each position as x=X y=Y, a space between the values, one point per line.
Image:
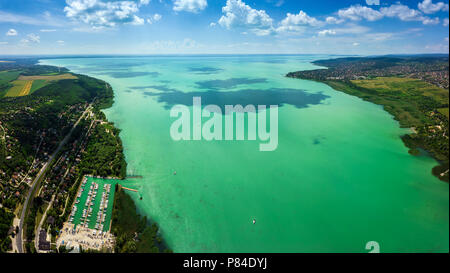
x=19 y=239
x=4 y=136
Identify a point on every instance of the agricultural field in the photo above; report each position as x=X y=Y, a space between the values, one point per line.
x=16 y=85
x=7 y=76
x=404 y=86
x=19 y=88
x=66 y=76
x=407 y=99
x=37 y=84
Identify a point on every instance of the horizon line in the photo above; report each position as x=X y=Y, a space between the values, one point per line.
x=214 y=54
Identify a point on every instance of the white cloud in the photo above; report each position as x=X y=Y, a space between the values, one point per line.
x=430 y=21
x=358 y=12
x=47 y=30
x=326 y=32
x=137 y=20
x=31 y=38
x=378 y=36
x=445 y=22
x=403 y=12
x=212 y=24
x=355 y=44
x=3 y=43
x=240 y=15
x=296 y=22
x=190 y=5
x=60 y=42
x=351 y=29
x=155 y=18
x=100 y=13
x=428 y=7
x=88 y=29
x=34 y=38
x=262 y=32
x=400 y=11
x=11 y=32
x=333 y=20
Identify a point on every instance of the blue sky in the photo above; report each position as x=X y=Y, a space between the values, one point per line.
x=223 y=26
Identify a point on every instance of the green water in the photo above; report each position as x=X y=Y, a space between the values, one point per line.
x=340 y=177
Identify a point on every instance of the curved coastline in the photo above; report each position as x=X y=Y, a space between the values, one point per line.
x=440 y=171
x=126 y=212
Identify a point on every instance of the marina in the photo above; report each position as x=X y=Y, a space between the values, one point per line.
x=93 y=205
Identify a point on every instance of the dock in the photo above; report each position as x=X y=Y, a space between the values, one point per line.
x=128 y=189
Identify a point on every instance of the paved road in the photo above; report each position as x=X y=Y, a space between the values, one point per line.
x=19 y=238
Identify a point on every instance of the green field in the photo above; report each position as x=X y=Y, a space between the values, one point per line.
x=404 y=87
x=404 y=98
x=51 y=74
x=37 y=84
x=78 y=219
x=443 y=111
x=16 y=89
x=12 y=84
x=7 y=76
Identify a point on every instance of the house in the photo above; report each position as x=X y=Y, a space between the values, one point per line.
x=43 y=243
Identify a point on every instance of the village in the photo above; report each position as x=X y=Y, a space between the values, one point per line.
x=19 y=167
x=49 y=212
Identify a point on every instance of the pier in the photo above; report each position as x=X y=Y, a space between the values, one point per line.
x=128 y=189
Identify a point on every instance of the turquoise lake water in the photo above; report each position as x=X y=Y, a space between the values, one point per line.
x=340 y=177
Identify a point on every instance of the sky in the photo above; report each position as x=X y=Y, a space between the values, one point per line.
x=364 y=27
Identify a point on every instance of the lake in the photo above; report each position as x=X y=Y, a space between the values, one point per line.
x=339 y=178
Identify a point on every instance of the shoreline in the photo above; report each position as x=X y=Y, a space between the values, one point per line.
x=151 y=225
x=413 y=147
x=111 y=113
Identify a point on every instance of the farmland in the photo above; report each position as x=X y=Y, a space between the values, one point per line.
x=19 y=88
x=405 y=86
x=66 y=76
x=7 y=76
x=38 y=84
x=16 y=85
